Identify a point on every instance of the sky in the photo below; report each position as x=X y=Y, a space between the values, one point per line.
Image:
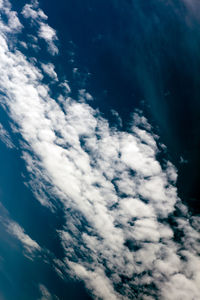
x=99 y=140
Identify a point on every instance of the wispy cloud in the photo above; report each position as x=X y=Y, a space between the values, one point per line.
x=117 y=197
x=45 y=294
x=16 y=230
x=31 y=247
x=5 y=137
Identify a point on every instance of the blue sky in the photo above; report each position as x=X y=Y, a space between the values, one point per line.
x=91 y=154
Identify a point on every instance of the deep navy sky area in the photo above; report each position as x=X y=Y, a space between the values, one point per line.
x=99 y=150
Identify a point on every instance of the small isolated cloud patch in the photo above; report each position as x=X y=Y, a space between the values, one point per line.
x=45 y=294
x=45 y=32
x=31 y=11
x=16 y=230
x=49 y=69
x=49 y=35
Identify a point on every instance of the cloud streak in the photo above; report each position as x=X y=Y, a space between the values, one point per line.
x=5 y=137
x=45 y=294
x=31 y=247
x=17 y=231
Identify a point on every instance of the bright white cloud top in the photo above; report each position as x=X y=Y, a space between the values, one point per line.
x=45 y=32
x=116 y=195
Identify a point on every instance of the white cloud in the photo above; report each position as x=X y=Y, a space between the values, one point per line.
x=5 y=137
x=45 y=32
x=49 y=69
x=49 y=35
x=31 y=247
x=13 y=24
x=45 y=294
x=117 y=116
x=24 y=45
x=16 y=230
x=180 y=287
x=116 y=195
x=31 y=11
x=84 y=95
x=95 y=281
x=13 y=21
x=66 y=87
x=183 y=161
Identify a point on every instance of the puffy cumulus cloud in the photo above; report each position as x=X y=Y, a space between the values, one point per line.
x=31 y=11
x=45 y=32
x=49 y=69
x=12 y=24
x=49 y=35
x=117 y=198
x=96 y=281
x=66 y=87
